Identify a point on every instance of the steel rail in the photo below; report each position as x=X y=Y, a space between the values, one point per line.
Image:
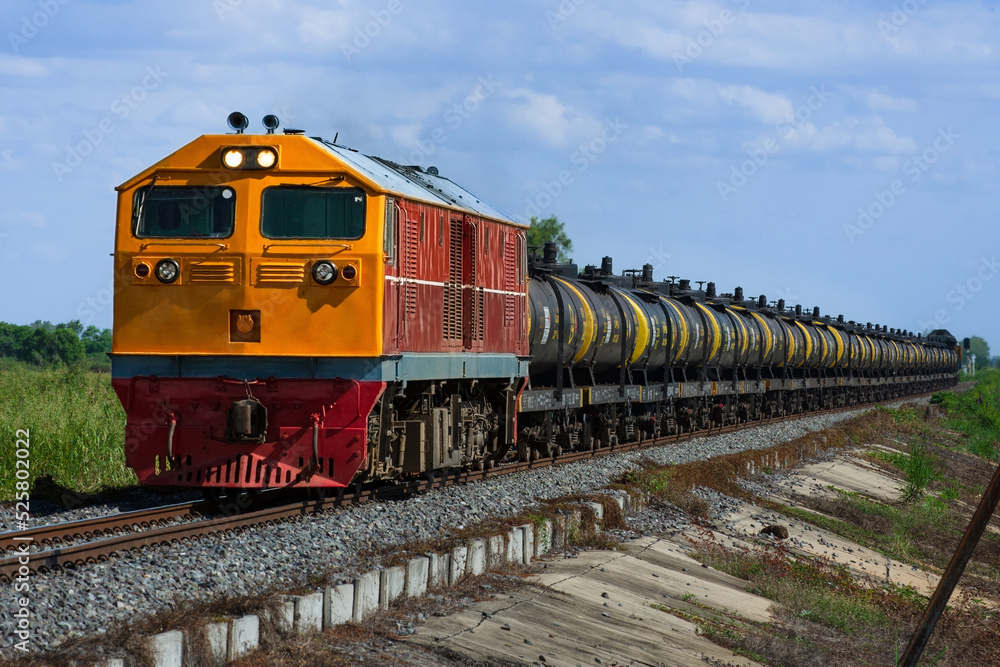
x=57 y=533
x=24 y=562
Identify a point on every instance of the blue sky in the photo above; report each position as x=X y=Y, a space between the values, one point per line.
x=840 y=154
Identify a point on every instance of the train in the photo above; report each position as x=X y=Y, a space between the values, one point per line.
x=292 y=313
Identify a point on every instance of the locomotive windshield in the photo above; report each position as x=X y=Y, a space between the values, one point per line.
x=183 y=212
x=310 y=212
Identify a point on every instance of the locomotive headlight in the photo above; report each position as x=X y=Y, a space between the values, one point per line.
x=266 y=158
x=324 y=272
x=233 y=158
x=167 y=270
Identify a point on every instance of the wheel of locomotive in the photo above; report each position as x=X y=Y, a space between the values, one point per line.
x=557 y=452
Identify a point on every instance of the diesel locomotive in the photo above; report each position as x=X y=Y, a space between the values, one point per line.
x=290 y=312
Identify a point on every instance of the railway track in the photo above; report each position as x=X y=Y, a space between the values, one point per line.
x=94 y=540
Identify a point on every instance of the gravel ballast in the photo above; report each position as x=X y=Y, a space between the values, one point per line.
x=86 y=601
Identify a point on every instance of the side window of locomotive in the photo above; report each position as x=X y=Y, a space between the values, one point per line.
x=183 y=212
x=309 y=212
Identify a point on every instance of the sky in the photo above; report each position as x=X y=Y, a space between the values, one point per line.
x=839 y=154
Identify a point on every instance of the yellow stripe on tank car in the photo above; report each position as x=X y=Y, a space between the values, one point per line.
x=642 y=337
x=768 y=336
x=744 y=334
x=714 y=324
x=809 y=342
x=589 y=334
x=786 y=329
x=685 y=336
x=841 y=345
x=824 y=346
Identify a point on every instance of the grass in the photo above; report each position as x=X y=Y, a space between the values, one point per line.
x=76 y=429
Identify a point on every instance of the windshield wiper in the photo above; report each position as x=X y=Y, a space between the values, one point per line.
x=142 y=202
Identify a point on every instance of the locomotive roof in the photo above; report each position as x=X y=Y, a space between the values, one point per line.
x=410 y=182
x=415 y=183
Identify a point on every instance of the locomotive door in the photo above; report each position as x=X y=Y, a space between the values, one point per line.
x=473 y=295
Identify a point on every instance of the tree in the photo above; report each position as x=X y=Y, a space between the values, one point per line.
x=981 y=349
x=96 y=341
x=550 y=229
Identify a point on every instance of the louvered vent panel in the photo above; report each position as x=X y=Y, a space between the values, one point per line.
x=480 y=313
x=452 y=320
x=281 y=272
x=213 y=272
x=509 y=279
x=410 y=267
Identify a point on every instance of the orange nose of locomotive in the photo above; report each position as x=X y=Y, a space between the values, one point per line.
x=247 y=301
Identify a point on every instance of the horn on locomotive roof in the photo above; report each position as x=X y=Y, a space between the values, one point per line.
x=270 y=123
x=237 y=121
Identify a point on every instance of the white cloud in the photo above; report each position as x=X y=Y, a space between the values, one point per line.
x=18 y=66
x=881 y=102
x=770 y=108
x=867 y=135
x=555 y=123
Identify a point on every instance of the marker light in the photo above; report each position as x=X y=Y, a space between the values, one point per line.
x=324 y=272
x=232 y=158
x=167 y=270
x=350 y=272
x=266 y=158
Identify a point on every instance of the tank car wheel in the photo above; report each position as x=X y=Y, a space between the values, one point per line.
x=557 y=452
x=535 y=455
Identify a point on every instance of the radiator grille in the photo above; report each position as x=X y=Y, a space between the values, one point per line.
x=213 y=272
x=281 y=272
x=452 y=320
x=410 y=268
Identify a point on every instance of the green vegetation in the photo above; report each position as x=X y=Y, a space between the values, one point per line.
x=76 y=427
x=976 y=413
x=45 y=344
x=550 y=229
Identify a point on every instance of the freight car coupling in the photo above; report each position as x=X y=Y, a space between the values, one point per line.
x=290 y=312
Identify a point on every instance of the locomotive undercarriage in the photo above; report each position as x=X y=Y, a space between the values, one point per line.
x=427 y=426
